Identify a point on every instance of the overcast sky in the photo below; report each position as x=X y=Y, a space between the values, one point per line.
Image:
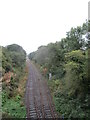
x=32 y=23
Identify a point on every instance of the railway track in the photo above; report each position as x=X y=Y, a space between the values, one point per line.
x=38 y=100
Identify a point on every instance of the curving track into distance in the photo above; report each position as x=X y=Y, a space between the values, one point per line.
x=38 y=99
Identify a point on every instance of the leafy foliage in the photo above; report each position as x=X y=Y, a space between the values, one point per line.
x=13 y=66
x=67 y=60
x=76 y=66
x=6 y=60
x=12 y=108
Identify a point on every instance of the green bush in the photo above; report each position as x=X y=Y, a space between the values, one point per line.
x=70 y=93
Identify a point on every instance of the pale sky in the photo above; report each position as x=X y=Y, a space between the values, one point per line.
x=32 y=23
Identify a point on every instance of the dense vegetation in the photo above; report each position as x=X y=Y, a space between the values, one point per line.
x=67 y=61
x=13 y=81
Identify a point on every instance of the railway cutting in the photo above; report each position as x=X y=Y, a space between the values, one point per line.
x=38 y=99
